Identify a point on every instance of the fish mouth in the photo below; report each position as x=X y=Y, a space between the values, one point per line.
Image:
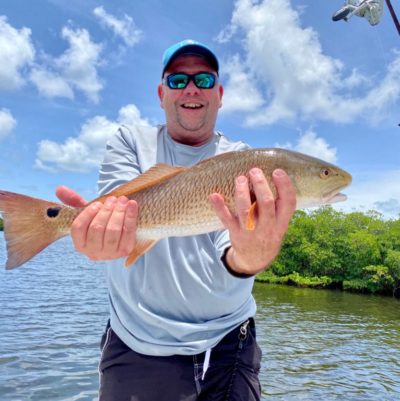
x=335 y=195
x=335 y=198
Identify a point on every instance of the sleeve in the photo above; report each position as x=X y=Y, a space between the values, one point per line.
x=221 y=242
x=120 y=163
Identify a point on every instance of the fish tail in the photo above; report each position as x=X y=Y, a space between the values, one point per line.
x=28 y=226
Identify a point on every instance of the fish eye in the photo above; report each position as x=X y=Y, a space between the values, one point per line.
x=325 y=173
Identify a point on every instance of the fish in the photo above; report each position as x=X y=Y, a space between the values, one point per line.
x=173 y=200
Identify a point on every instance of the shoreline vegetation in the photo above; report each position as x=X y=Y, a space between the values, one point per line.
x=325 y=248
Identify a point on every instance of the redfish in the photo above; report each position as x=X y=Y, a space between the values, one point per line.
x=173 y=201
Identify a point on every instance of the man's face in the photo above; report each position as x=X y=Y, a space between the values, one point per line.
x=191 y=112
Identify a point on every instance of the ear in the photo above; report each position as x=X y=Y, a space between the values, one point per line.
x=221 y=93
x=161 y=94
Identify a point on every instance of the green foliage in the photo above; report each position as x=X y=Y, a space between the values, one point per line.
x=295 y=279
x=1 y=225
x=327 y=248
x=376 y=279
x=392 y=261
x=356 y=285
x=364 y=250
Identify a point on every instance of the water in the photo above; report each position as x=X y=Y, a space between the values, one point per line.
x=53 y=313
x=316 y=344
x=328 y=345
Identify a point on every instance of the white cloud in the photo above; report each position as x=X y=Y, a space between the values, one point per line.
x=294 y=78
x=50 y=84
x=78 y=63
x=124 y=28
x=313 y=145
x=7 y=123
x=16 y=53
x=85 y=152
x=75 y=69
x=130 y=115
x=238 y=94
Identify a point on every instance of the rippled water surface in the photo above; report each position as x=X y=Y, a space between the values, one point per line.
x=317 y=345
x=328 y=345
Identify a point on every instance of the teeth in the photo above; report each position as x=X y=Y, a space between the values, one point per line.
x=192 y=105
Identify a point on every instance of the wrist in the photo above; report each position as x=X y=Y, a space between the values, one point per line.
x=231 y=267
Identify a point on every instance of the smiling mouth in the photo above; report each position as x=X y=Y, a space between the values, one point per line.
x=192 y=106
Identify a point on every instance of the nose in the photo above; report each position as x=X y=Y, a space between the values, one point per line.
x=191 y=88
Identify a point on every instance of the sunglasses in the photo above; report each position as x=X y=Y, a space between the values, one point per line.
x=180 y=80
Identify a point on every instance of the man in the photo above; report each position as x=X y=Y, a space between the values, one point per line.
x=181 y=324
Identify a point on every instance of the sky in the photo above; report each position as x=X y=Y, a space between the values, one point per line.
x=72 y=71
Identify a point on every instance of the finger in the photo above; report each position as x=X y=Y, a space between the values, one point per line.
x=113 y=232
x=242 y=200
x=97 y=228
x=70 y=197
x=128 y=237
x=264 y=197
x=285 y=200
x=222 y=211
x=80 y=225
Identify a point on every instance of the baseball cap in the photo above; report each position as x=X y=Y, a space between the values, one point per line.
x=189 y=46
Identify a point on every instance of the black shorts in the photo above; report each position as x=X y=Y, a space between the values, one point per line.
x=234 y=365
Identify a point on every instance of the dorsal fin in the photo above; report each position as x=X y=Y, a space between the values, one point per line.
x=153 y=176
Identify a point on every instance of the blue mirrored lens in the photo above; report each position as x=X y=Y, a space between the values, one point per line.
x=203 y=80
x=178 y=81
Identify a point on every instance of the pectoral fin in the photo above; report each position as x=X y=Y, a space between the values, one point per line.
x=251 y=217
x=142 y=246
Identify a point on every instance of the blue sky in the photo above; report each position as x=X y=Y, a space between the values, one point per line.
x=72 y=71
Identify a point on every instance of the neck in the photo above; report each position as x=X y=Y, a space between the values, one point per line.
x=191 y=139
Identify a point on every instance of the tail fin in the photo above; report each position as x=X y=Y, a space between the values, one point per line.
x=28 y=226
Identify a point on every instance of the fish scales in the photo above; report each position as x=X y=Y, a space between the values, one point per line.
x=181 y=205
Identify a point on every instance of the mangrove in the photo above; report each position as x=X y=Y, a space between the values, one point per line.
x=325 y=248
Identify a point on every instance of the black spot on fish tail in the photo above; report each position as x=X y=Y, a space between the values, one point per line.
x=53 y=211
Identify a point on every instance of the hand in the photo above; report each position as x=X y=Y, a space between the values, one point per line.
x=102 y=231
x=254 y=250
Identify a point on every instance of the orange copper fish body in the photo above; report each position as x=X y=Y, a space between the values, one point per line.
x=173 y=201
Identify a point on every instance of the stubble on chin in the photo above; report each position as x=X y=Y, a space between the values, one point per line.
x=192 y=127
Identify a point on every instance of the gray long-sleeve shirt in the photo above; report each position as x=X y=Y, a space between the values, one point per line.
x=178 y=298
